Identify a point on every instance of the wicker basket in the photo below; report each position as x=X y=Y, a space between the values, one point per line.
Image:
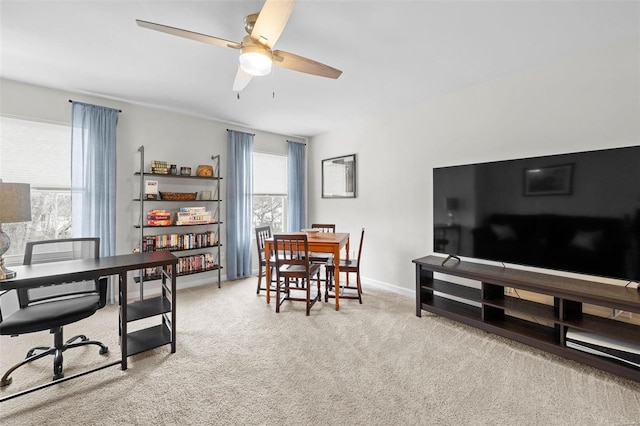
x=178 y=196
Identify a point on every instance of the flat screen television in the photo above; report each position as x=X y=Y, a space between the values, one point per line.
x=577 y=212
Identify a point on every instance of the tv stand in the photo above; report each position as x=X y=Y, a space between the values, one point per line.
x=451 y=256
x=543 y=326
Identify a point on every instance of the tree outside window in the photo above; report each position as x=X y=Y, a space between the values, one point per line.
x=270 y=191
x=38 y=153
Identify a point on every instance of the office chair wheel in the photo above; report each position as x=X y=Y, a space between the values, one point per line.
x=57 y=372
x=103 y=350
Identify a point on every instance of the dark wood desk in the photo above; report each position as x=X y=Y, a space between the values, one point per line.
x=321 y=242
x=28 y=276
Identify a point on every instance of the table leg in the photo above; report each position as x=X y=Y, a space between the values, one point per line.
x=336 y=262
x=123 y=318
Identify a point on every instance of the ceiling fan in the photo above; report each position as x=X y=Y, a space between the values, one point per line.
x=257 y=54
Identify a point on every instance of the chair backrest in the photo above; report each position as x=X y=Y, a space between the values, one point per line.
x=360 y=248
x=292 y=254
x=324 y=227
x=47 y=251
x=262 y=233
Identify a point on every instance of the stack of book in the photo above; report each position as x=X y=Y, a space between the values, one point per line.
x=158 y=218
x=159 y=167
x=193 y=216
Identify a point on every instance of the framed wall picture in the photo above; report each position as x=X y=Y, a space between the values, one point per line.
x=554 y=180
x=339 y=177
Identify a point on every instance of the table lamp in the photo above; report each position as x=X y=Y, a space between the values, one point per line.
x=15 y=206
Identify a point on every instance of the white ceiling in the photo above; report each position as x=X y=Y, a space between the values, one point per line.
x=392 y=53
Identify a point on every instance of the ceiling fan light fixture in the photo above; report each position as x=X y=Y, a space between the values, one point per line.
x=255 y=63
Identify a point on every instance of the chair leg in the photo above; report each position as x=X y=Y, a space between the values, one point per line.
x=259 y=279
x=327 y=285
x=308 y=288
x=6 y=380
x=59 y=346
x=71 y=344
x=359 y=286
x=37 y=348
x=278 y=297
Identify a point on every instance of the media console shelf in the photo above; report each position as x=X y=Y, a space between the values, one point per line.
x=543 y=326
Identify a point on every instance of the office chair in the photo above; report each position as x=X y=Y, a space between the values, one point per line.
x=52 y=307
x=347 y=266
x=294 y=270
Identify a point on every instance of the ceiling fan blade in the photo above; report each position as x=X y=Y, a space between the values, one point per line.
x=302 y=64
x=271 y=21
x=242 y=80
x=216 y=41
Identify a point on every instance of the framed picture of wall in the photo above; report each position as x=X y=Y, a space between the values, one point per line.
x=339 y=177
x=554 y=180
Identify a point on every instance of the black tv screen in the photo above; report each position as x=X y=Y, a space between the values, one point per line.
x=577 y=212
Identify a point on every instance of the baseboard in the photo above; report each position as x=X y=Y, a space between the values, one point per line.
x=370 y=282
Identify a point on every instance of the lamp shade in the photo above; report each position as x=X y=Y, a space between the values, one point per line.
x=255 y=63
x=15 y=202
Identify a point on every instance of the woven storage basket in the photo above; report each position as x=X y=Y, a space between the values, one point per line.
x=178 y=196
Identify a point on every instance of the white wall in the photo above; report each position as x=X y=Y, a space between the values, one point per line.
x=178 y=138
x=581 y=103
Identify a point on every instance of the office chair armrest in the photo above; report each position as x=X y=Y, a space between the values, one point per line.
x=102 y=290
x=2 y=293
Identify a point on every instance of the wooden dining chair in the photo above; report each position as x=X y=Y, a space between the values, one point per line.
x=323 y=258
x=262 y=233
x=324 y=227
x=347 y=266
x=294 y=270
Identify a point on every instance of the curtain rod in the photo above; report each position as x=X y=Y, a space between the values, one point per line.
x=231 y=130
x=301 y=143
x=71 y=100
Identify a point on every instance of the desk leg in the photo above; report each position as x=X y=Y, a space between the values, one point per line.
x=173 y=306
x=123 y=318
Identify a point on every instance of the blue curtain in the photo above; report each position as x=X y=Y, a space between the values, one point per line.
x=239 y=203
x=93 y=175
x=295 y=178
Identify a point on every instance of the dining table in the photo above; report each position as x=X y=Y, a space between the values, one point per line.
x=319 y=242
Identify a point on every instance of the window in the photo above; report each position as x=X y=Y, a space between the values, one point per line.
x=38 y=153
x=270 y=191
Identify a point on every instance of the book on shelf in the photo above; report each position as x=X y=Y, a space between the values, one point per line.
x=187 y=241
x=151 y=189
x=193 y=216
x=159 y=222
x=186 y=265
x=158 y=218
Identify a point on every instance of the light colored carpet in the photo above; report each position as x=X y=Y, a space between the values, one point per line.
x=240 y=363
